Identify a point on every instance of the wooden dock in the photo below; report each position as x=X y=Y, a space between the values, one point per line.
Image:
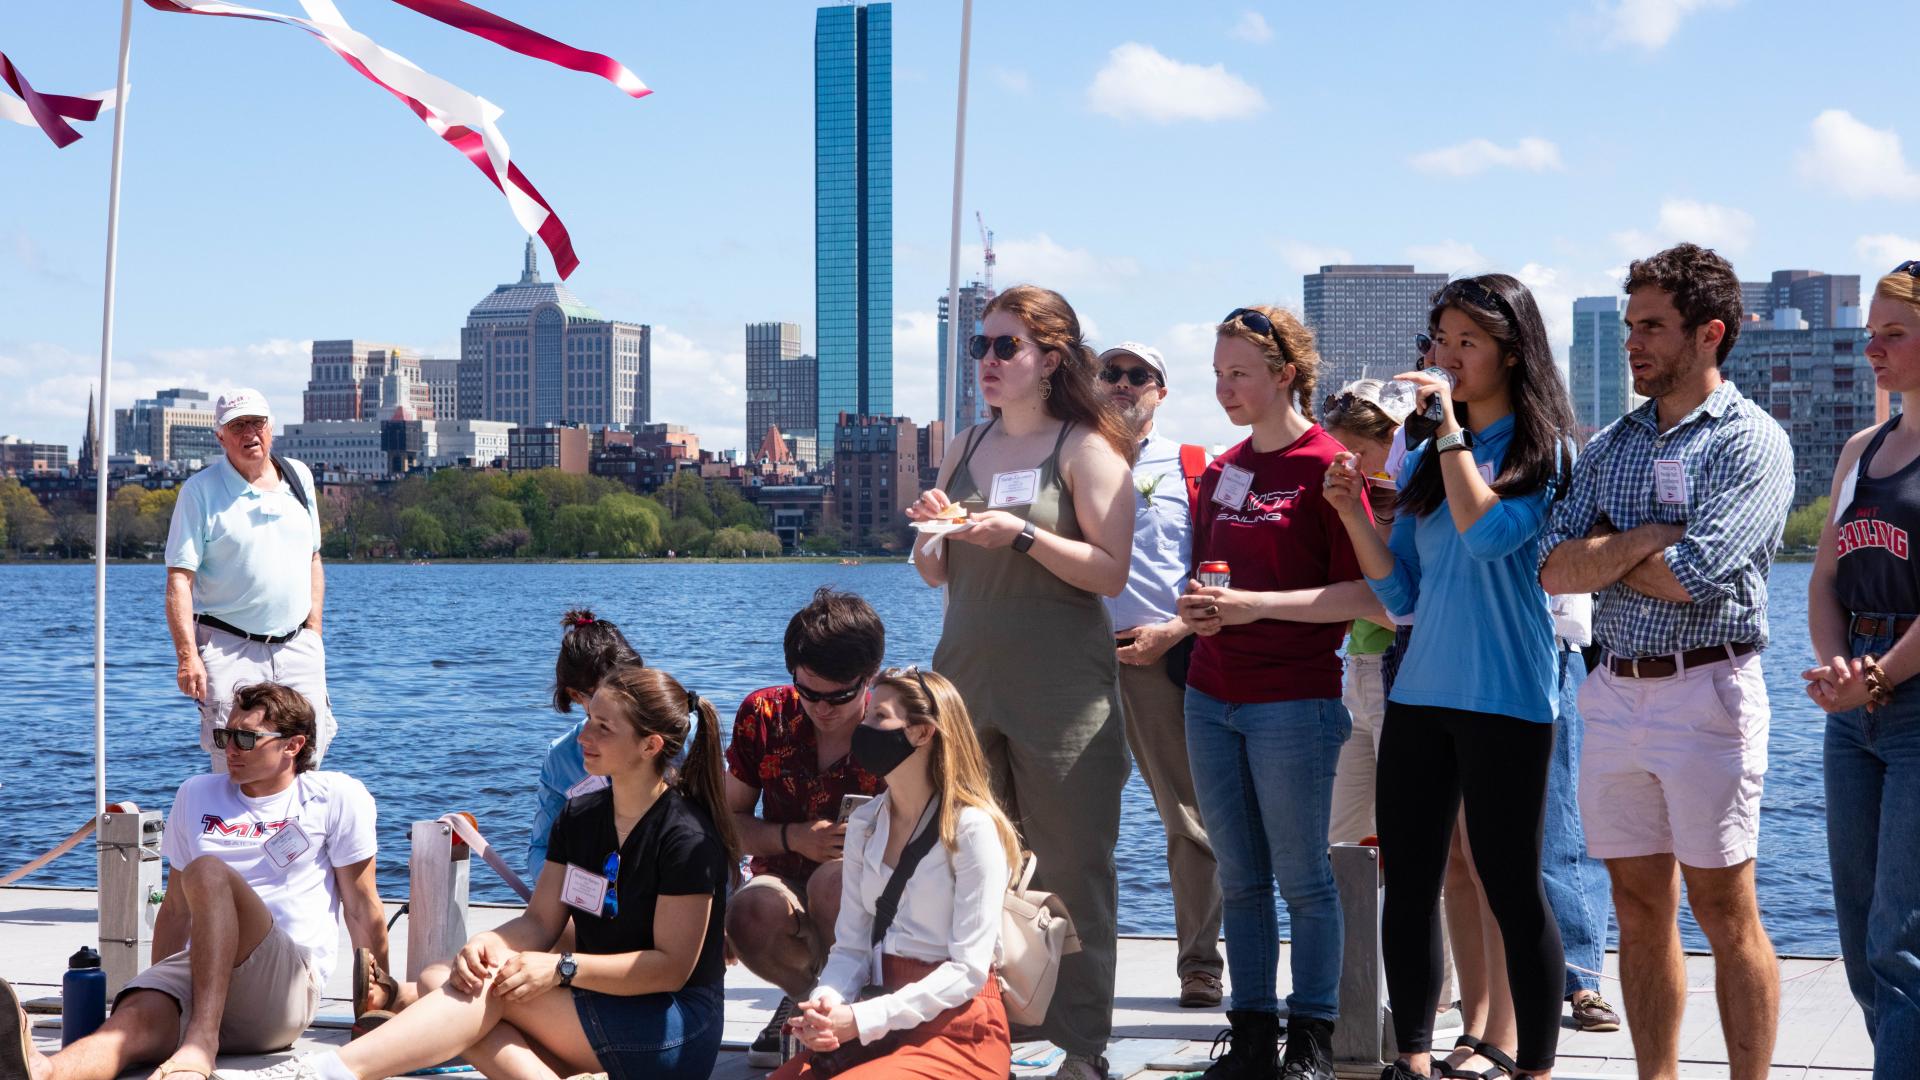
x=1822 y=1036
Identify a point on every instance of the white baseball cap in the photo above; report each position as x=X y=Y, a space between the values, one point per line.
x=1147 y=353
x=234 y=404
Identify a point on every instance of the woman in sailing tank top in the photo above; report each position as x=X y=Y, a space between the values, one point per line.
x=1862 y=602
x=1047 y=485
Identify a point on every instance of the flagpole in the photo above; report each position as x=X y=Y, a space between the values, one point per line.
x=101 y=454
x=949 y=408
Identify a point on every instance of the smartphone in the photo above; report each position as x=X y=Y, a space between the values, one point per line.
x=850 y=803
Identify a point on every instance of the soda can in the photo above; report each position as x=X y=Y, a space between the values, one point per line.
x=1214 y=575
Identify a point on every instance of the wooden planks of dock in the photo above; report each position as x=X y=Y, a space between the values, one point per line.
x=1821 y=1033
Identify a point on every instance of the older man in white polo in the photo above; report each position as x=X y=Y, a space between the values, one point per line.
x=244 y=581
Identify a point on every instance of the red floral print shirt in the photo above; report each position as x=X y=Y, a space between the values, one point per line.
x=774 y=750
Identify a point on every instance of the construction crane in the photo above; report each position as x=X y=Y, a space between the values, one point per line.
x=986 y=247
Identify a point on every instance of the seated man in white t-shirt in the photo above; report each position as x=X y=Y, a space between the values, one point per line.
x=265 y=859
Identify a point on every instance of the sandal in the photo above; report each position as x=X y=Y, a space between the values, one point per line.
x=1502 y=1068
x=366 y=976
x=1440 y=1066
x=169 y=1067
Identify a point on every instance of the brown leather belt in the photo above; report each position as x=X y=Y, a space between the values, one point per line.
x=1874 y=626
x=1665 y=667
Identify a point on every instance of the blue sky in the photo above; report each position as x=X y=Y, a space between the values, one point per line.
x=1158 y=163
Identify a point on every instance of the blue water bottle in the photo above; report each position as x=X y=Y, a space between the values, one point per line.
x=83 y=996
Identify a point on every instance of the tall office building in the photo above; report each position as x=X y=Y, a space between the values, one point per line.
x=968 y=408
x=1597 y=367
x=781 y=384
x=442 y=376
x=172 y=425
x=1364 y=319
x=1819 y=297
x=853 y=213
x=532 y=353
x=1815 y=381
x=364 y=380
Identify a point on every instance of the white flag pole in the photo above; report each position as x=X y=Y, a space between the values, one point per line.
x=950 y=408
x=101 y=453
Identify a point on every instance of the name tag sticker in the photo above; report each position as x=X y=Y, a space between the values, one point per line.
x=1486 y=472
x=587 y=787
x=288 y=844
x=584 y=890
x=1014 y=488
x=1231 y=491
x=1670 y=482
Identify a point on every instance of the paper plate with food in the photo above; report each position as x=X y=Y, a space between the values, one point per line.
x=952 y=519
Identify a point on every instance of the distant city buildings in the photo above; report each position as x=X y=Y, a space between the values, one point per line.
x=1364 y=318
x=1815 y=381
x=1820 y=298
x=377 y=449
x=782 y=386
x=19 y=456
x=968 y=410
x=172 y=425
x=365 y=380
x=876 y=471
x=442 y=376
x=853 y=214
x=533 y=354
x=1597 y=374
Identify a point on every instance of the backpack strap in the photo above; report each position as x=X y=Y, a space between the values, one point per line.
x=888 y=905
x=1193 y=465
x=293 y=481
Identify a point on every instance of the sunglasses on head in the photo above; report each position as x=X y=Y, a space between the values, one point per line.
x=246 y=740
x=829 y=697
x=1911 y=268
x=932 y=705
x=1134 y=376
x=1003 y=346
x=1252 y=320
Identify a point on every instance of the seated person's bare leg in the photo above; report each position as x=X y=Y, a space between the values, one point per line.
x=409 y=991
x=823 y=913
x=773 y=937
x=496 y=1036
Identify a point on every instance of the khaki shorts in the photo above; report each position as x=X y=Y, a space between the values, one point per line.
x=272 y=999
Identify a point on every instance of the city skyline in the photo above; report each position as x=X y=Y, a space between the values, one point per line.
x=1160 y=168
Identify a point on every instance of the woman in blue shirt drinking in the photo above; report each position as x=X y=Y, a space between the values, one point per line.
x=1471 y=713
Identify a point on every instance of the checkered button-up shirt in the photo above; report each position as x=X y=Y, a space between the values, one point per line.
x=1738 y=467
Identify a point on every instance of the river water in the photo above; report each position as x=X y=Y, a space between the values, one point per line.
x=440 y=677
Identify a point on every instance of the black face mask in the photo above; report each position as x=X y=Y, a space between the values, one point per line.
x=880 y=751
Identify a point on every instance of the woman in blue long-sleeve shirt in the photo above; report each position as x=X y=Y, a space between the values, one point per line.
x=1471 y=714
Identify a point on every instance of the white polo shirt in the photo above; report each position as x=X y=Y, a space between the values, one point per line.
x=251 y=551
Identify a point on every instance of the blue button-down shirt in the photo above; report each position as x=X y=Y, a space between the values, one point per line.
x=1739 y=488
x=1162 y=537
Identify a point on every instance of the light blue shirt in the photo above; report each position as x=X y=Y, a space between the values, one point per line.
x=563 y=768
x=1483 y=639
x=251 y=551
x=1162 y=537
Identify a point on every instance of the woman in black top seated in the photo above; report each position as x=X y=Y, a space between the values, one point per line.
x=641 y=868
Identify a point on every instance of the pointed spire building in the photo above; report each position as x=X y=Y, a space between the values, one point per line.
x=90 y=442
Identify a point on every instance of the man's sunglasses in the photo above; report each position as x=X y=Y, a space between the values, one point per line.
x=829 y=697
x=1003 y=346
x=247 y=740
x=1911 y=268
x=1134 y=376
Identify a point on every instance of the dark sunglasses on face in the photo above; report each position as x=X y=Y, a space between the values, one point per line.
x=829 y=697
x=1424 y=343
x=1003 y=346
x=1911 y=268
x=247 y=740
x=1134 y=376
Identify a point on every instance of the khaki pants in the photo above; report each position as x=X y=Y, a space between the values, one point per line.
x=233 y=661
x=271 y=999
x=1157 y=734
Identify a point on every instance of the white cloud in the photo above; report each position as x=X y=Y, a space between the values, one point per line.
x=916 y=364
x=1650 y=24
x=1707 y=224
x=1882 y=252
x=1858 y=161
x=700 y=386
x=1044 y=261
x=1012 y=80
x=1253 y=28
x=1531 y=154
x=1304 y=258
x=1449 y=257
x=1138 y=83
x=1555 y=290
x=1190 y=413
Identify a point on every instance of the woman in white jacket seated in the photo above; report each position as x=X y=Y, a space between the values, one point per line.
x=920 y=998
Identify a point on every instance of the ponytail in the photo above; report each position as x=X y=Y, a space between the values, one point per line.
x=703 y=777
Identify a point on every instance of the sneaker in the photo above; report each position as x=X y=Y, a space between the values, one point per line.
x=16 y=1039
x=1082 y=1067
x=1199 y=990
x=1592 y=1013
x=767 y=1051
x=1309 y=1053
x=1399 y=1070
x=291 y=1069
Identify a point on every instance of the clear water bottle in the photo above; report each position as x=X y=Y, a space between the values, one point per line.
x=1405 y=395
x=83 y=997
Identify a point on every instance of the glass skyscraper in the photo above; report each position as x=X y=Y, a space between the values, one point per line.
x=1597 y=372
x=853 y=212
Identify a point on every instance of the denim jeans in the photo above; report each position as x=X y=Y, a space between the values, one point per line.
x=1577 y=885
x=1873 y=845
x=1264 y=776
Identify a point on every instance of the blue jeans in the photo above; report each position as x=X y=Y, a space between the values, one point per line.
x=1578 y=888
x=1873 y=845
x=663 y=1036
x=1264 y=776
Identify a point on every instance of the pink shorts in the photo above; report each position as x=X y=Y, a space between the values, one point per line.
x=1674 y=765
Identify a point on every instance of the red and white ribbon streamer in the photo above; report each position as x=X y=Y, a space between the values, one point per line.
x=48 y=112
x=526 y=42
x=462 y=119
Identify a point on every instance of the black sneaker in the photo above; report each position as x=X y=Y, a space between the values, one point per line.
x=1248 y=1050
x=1309 y=1053
x=767 y=1049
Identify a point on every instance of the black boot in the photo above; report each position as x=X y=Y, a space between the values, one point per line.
x=1309 y=1050
x=1252 y=1048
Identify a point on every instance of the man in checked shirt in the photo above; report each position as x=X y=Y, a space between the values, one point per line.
x=1673 y=517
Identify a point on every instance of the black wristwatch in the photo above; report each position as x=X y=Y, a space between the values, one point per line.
x=1024 y=541
x=567 y=969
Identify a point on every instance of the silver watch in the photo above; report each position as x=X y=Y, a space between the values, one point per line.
x=1459 y=440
